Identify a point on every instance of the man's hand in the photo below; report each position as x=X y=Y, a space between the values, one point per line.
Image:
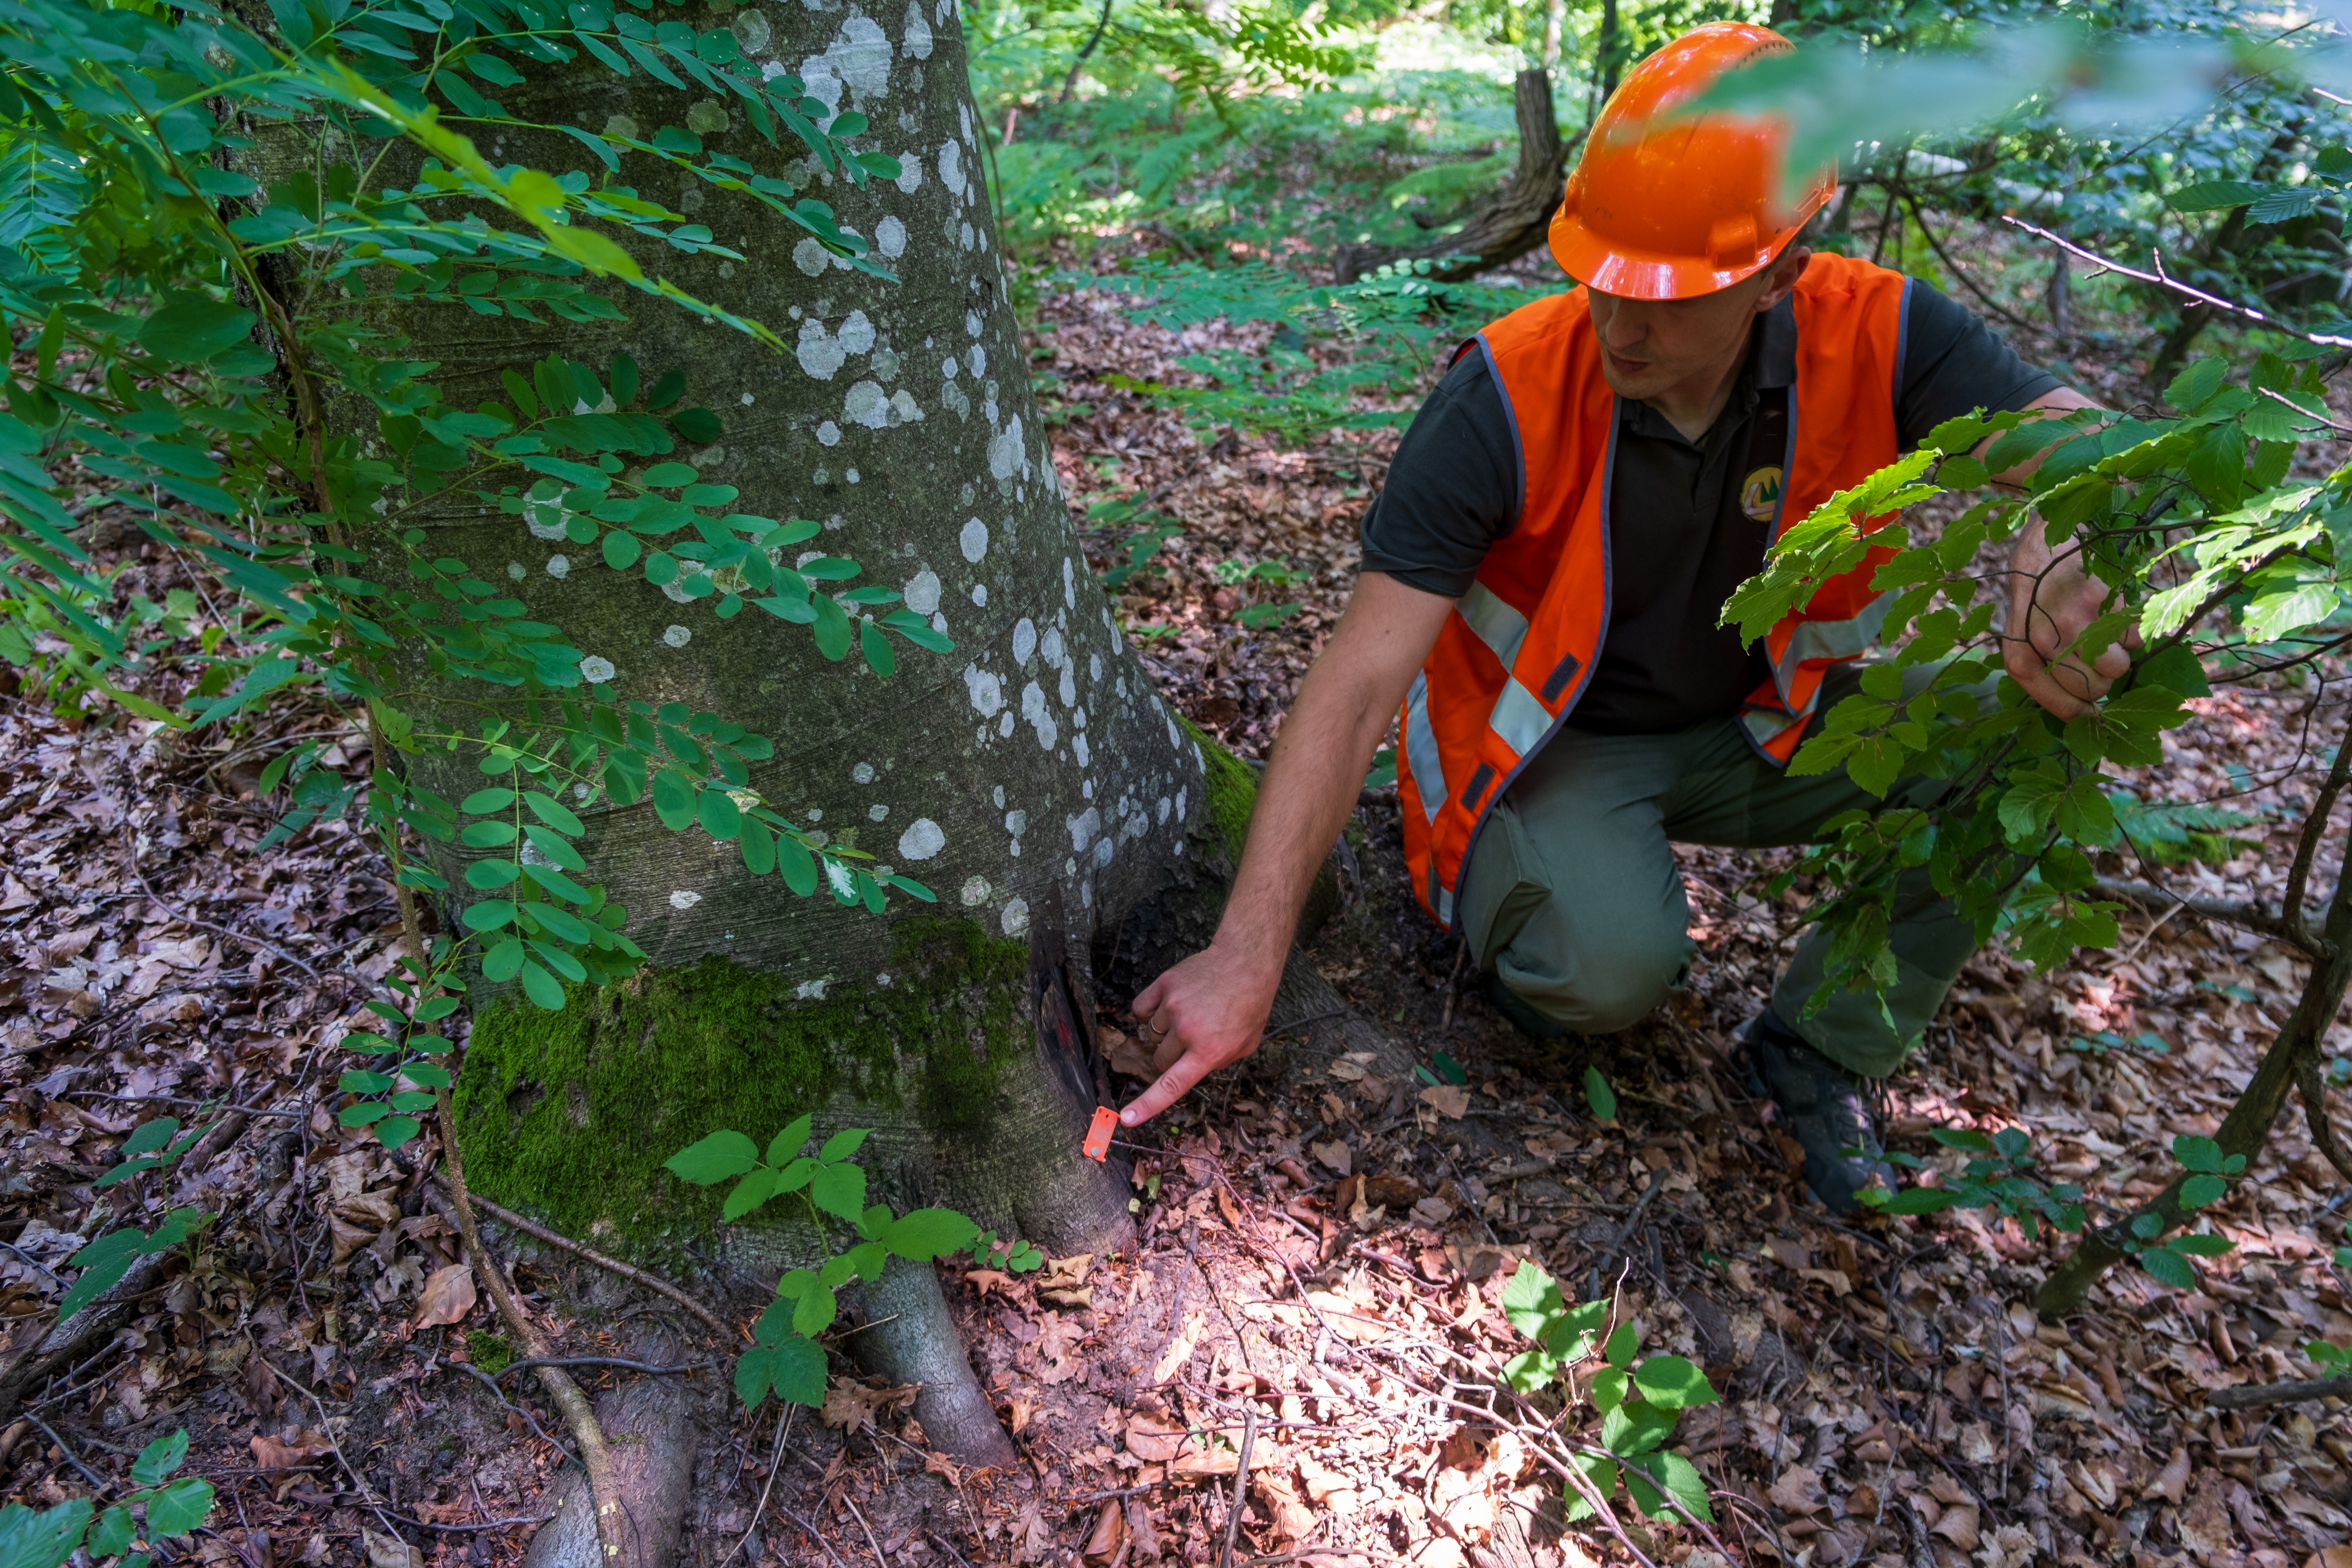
x=1209 y=1012
x=2052 y=598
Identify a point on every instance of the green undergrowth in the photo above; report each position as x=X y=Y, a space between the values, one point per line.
x=571 y=1114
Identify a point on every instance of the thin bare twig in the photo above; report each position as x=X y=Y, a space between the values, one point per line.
x=487 y=1381
x=508 y=1217
x=2252 y=917
x=515 y=1366
x=1241 y=1486
x=367 y=1492
x=775 y=1468
x=879 y=1555
x=92 y=1477
x=2163 y=279
x=813 y=1534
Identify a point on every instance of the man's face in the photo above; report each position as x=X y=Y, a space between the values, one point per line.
x=1650 y=347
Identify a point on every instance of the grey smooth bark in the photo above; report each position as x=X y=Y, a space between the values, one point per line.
x=1032 y=778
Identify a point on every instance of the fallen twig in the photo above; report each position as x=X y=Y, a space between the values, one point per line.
x=2293 y=1391
x=775 y=1467
x=515 y=1366
x=625 y=1270
x=257 y=943
x=367 y=1492
x=812 y=1532
x=487 y=1381
x=92 y=1477
x=879 y=1555
x=595 y=1453
x=1241 y=1486
x=1617 y=1242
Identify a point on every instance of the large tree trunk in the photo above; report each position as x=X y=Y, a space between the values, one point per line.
x=1032 y=778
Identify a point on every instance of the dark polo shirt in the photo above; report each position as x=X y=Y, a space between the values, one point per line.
x=1682 y=529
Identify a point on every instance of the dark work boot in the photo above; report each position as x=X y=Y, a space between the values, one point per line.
x=1828 y=1108
x=1523 y=1017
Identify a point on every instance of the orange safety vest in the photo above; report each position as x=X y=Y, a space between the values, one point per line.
x=1520 y=648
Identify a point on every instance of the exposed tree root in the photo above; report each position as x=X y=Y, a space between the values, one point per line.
x=623 y=1546
x=651 y=1483
x=913 y=1339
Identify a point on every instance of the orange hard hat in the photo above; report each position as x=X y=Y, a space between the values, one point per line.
x=1667 y=208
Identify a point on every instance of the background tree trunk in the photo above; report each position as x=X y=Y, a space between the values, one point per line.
x=1504 y=229
x=1032 y=778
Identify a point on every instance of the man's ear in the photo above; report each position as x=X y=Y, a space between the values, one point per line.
x=1787 y=268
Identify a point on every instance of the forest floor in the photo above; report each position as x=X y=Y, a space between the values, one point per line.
x=1322 y=1252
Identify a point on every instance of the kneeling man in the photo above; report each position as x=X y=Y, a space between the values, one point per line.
x=1542 y=576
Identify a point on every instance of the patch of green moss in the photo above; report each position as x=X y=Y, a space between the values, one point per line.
x=490 y=1353
x=571 y=1114
x=1232 y=787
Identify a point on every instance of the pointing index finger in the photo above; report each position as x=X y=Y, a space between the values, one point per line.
x=1170 y=1087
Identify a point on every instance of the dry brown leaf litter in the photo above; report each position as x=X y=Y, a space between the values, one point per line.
x=1890 y=1399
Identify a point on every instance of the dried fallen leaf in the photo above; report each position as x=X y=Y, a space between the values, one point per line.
x=1334 y=1155
x=987 y=1280
x=1152 y=1438
x=1196 y=1461
x=2171 y=1483
x=1347 y=1320
x=852 y=1405
x=1082 y=1297
x=1450 y=1100
x=389 y=1551
x=283 y=1453
x=1110 y=1534
x=1126 y=1054
x=1835 y=1278
x=1066 y=1273
x=1549 y=1144
x=1799 y=1491
x=1180 y=1349
x=1958 y=1526
x=447 y=1296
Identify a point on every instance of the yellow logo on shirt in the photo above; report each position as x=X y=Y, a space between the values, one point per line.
x=1760 y=496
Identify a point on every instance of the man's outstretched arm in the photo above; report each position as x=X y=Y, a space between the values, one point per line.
x=1209 y=1010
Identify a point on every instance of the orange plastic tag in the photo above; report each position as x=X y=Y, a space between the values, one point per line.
x=1097 y=1145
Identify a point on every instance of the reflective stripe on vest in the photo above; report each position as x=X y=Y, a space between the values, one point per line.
x=1509 y=664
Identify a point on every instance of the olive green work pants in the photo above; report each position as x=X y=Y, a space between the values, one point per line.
x=1572 y=897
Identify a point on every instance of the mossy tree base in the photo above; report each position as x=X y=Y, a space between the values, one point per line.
x=571 y=1114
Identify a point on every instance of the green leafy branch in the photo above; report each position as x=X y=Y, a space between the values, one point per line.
x=170 y=1509
x=786 y=1357
x=1640 y=1402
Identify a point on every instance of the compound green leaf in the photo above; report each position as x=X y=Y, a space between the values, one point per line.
x=1671 y=1382
x=714 y=1159
x=839 y=1190
x=922 y=1235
